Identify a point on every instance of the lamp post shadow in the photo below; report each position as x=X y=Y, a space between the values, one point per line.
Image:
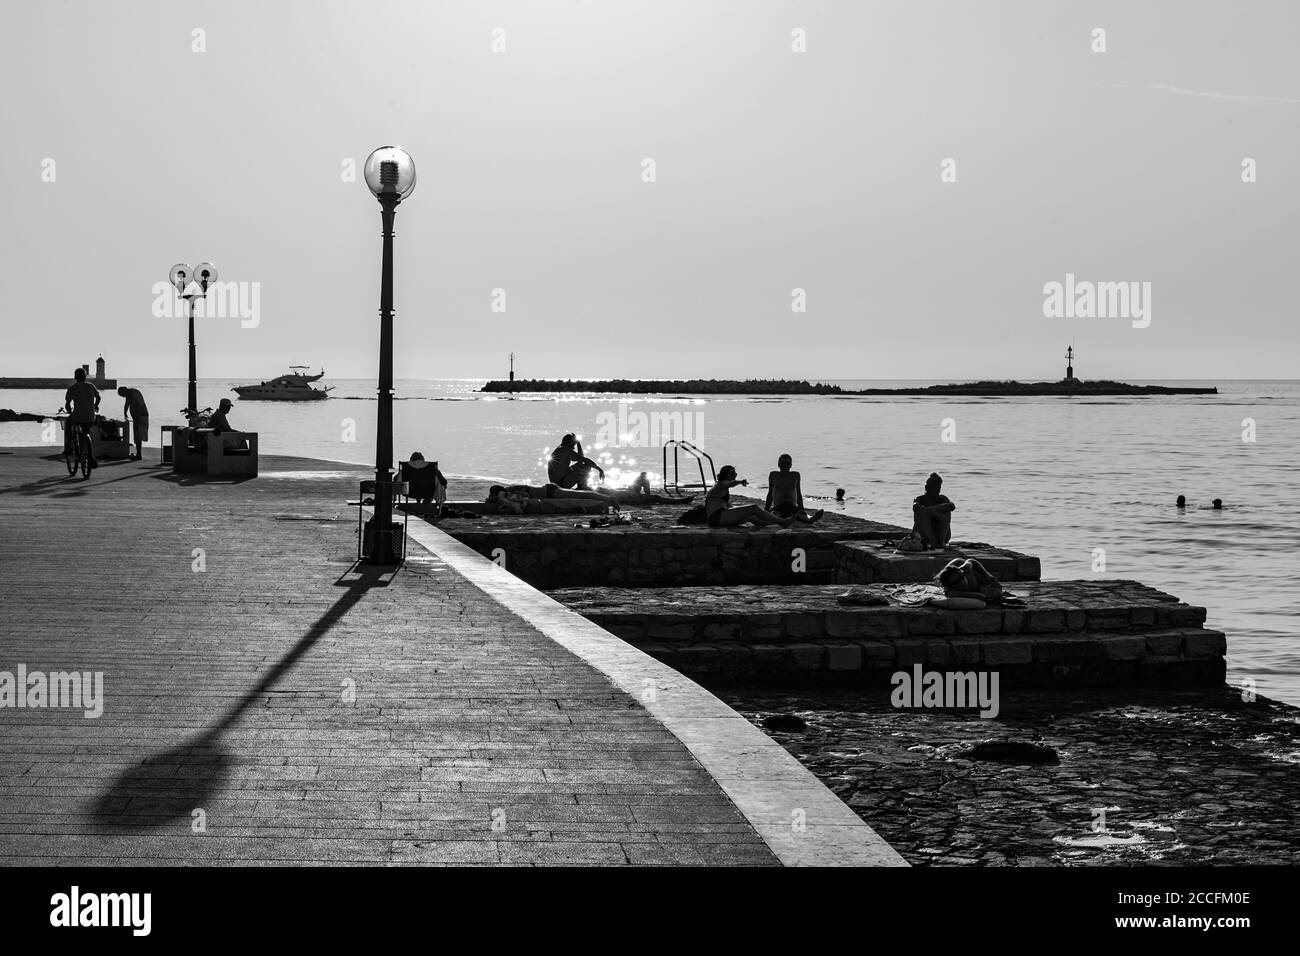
x=167 y=787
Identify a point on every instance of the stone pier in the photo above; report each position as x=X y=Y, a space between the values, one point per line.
x=1068 y=632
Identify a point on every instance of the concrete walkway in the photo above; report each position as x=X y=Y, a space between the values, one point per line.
x=265 y=702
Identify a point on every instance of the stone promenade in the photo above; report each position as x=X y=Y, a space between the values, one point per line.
x=265 y=703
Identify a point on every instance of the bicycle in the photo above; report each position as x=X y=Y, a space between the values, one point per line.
x=197 y=419
x=78 y=454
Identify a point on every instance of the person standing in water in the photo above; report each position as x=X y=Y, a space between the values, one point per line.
x=932 y=513
x=718 y=512
x=785 y=495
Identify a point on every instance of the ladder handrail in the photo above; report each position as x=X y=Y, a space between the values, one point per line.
x=695 y=452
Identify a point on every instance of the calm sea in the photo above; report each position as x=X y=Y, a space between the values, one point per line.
x=1081 y=483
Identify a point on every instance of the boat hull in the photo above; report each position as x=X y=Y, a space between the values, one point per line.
x=258 y=394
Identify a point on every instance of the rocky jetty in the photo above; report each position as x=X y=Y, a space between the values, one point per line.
x=9 y=415
x=692 y=386
x=1069 y=387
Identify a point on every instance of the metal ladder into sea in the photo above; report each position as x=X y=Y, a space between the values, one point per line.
x=699 y=455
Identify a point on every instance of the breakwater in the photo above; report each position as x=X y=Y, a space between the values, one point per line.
x=1069 y=387
x=693 y=386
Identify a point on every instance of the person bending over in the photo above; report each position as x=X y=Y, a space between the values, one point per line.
x=134 y=408
x=718 y=512
x=785 y=495
x=932 y=512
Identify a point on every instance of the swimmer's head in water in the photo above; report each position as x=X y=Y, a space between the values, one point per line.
x=784 y=462
x=1181 y=502
x=1217 y=502
x=839 y=494
x=726 y=473
x=934 y=482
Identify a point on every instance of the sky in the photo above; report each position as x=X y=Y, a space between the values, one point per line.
x=795 y=146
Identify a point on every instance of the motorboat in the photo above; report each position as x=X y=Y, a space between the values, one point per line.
x=293 y=386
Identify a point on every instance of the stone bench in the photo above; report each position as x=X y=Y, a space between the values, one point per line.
x=873 y=562
x=228 y=455
x=1068 y=632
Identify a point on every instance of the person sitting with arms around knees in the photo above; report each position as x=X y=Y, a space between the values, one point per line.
x=719 y=513
x=932 y=514
x=134 y=408
x=82 y=402
x=785 y=495
x=569 y=467
x=967 y=578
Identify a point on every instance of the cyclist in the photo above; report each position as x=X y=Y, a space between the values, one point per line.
x=82 y=403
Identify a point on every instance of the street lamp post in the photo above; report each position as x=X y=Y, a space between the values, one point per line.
x=189 y=289
x=390 y=175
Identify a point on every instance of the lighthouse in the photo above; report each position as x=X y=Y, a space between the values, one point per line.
x=1069 y=363
x=99 y=370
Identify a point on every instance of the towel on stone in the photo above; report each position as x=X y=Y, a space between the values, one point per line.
x=863 y=597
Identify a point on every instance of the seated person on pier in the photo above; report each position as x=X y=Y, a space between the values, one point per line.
x=220 y=425
x=933 y=514
x=968 y=579
x=427 y=484
x=719 y=513
x=569 y=468
x=785 y=495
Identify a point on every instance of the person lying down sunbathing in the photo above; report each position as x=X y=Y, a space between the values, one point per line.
x=516 y=499
x=638 y=495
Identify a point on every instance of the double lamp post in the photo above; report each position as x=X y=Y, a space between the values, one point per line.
x=390 y=175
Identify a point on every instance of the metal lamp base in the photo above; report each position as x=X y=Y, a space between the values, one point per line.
x=381 y=545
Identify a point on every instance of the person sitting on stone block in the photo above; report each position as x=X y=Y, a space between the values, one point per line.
x=932 y=514
x=785 y=493
x=719 y=513
x=569 y=467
